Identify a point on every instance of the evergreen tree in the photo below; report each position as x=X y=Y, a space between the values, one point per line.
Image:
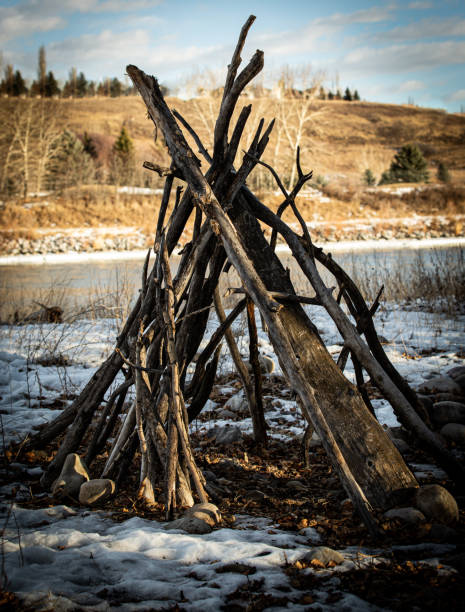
x=347 y=95
x=19 y=86
x=123 y=144
x=443 y=173
x=330 y=95
x=386 y=178
x=369 y=178
x=356 y=96
x=70 y=164
x=123 y=162
x=338 y=95
x=116 y=88
x=408 y=166
x=81 y=85
x=51 y=86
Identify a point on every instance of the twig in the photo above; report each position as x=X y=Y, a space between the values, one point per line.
x=134 y=366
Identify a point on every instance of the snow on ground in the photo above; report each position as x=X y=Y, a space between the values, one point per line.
x=67 y=558
x=61 y=558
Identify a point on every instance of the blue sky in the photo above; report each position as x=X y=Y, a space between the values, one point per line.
x=388 y=51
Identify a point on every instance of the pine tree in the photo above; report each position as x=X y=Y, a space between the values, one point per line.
x=330 y=95
x=347 y=95
x=443 y=173
x=408 y=166
x=116 y=88
x=123 y=163
x=356 y=96
x=81 y=85
x=70 y=164
x=123 y=145
x=369 y=178
x=19 y=86
x=51 y=86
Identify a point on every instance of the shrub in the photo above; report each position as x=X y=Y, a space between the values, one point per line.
x=70 y=164
x=369 y=178
x=443 y=173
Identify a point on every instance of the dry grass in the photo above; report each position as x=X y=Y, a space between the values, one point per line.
x=340 y=141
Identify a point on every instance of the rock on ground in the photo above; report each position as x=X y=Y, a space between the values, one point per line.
x=73 y=475
x=409 y=515
x=226 y=435
x=440 y=384
x=206 y=512
x=199 y=519
x=448 y=412
x=455 y=432
x=437 y=504
x=97 y=490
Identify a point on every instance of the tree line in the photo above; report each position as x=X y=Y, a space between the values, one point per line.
x=47 y=86
x=348 y=95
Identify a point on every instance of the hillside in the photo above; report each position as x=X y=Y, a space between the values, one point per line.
x=337 y=136
x=339 y=140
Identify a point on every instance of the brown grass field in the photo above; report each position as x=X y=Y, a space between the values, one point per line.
x=339 y=140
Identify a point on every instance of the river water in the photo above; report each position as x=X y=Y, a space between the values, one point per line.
x=108 y=280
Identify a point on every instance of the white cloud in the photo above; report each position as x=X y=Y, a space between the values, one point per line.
x=405 y=58
x=426 y=28
x=116 y=6
x=411 y=86
x=374 y=14
x=30 y=16
x=420 y=5
x=457 y=96
x=14 y=23
x=109 y=52
x=316 y=35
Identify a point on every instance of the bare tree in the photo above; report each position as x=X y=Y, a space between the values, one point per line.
x=295 y=93
x=31 y=128
x=41 y=71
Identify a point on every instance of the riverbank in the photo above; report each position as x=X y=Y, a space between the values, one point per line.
x=95 y=242
x=346 y=246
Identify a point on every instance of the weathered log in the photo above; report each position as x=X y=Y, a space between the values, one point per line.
x=402 y=407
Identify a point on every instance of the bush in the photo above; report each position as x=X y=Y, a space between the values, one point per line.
x=443 y=173
x=70 y=164
x=408 y=166
x=369 y=178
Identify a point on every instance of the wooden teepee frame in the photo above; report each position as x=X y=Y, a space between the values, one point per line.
x=166 y=326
